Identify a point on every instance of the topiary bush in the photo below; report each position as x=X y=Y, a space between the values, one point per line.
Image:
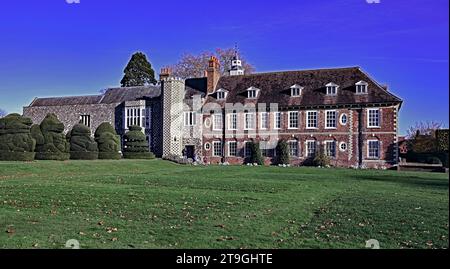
x=51 y=143
x=256 y=156
x=82 y=146
x=321 y=159
x=16 y=142
x=136 y=146
x=108 y=142
x=283 y=152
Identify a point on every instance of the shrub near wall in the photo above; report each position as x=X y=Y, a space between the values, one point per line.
x=16 y=143
x=82 y=145
x=51 y=143
x=136 y=146
x=108 y=142
x=283 y=152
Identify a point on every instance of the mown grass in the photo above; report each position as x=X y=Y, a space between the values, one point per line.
x=157 y=204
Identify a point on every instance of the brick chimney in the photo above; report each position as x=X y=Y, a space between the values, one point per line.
x=165 y=73
x=213 y=74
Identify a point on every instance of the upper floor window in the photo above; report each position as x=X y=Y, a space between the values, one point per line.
x=311 y=119
x=221 y=94
x=332 y=88
x=232 y=121
x=86 y=120
x=189 y=118
x=361 y=87
x=217 y=122
x=296 y=90
x=134 y=116
x=343 y=119
x=373 y=149
x=373 y=118
x=331 y=119
x=277 y=117
x=293 y=120
x=252 y=92
x=249 y=121
x=264 y=120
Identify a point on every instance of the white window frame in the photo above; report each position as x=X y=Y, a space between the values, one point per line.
x=246 y=126
x=290 y=149
x=252 y=90
x=325 y=143
x=229 y=148
x=296 y=90
x=215 y=127
x=346 y=119
x=214 y=143
x=335 y=119
x=86 y=120
x=232 y=126
x=264 y=121
x=362 y=85
x=277 y=121
x=221 y=95
x=340 y=146
x=369 y=125
x=368 y=149
x=190 y=118
x=330 y=86
x=290 y=127
x=307 y=148
x=317 y=119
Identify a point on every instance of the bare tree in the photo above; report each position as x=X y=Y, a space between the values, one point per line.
x=194 y=66
x=423 y=128
x=2 y=113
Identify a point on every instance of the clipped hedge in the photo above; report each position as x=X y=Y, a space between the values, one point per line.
x=283 y=152
x=16 y=142
x=136 y=146
x=256 y=156
x=108 y=142
x=82 y=146
x=51 y=144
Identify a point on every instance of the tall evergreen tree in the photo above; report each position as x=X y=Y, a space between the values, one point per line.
x=138 y=72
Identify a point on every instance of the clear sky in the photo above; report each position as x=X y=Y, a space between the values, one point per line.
x=52 y=48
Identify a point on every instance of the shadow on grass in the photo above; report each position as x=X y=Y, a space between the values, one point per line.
x=416 y=181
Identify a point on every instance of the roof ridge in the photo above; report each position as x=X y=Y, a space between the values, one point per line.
x=71 y=96
x=303 y=70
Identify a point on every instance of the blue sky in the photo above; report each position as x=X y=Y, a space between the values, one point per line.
x=51 y=48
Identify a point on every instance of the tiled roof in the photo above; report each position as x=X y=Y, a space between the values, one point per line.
x=275 y=88
x=62 y=101
x=111 y=96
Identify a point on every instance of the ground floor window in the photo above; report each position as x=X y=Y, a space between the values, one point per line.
x=232 y=148
x=330 y=148
x=217 y=148
x=310 y=148
x=248 y=149
x=373 y=149
x=293 y=148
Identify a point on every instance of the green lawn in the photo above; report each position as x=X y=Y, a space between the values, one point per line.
x=157 y=204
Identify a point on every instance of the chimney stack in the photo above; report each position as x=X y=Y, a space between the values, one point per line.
x=165 y=73
x=213 y=73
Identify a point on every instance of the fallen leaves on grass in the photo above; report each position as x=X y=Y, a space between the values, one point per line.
x=111 y=229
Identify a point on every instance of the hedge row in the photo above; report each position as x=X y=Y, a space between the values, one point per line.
x=22 y=141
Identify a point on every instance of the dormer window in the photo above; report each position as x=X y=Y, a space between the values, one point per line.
x=361 y=87
x=221 y=94
x=296 y=90
x=332 y=88
x=252 y=92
